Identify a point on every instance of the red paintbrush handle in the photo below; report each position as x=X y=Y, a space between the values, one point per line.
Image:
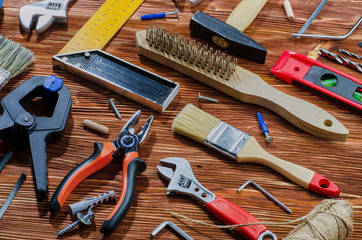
x=232 y=214
x=323 y=186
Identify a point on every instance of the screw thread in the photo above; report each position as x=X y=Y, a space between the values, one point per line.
x=68 y=228
x=84 y=219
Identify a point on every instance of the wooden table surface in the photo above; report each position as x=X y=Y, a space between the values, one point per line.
x=27 y=218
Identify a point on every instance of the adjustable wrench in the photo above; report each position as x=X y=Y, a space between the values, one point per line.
x=41 y=15
x=182 y=181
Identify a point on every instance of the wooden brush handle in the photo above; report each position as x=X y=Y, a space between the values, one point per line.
x=249 y=87
x=304 y=177
x=245 y=13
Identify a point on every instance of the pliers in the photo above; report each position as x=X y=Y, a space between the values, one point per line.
x=103 y=154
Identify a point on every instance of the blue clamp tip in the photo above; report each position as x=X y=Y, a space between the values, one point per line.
x=52 y=83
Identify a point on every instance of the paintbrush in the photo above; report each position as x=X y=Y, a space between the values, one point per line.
x=202 y=127
x=221 y=72
x=14 y=58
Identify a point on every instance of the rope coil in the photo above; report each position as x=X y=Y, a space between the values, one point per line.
x=329 y=220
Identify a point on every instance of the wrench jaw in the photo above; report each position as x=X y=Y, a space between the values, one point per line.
x=42 y=23
x=40 y=16
x=182 y=180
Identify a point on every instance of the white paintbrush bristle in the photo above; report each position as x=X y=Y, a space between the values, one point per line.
x=14 y=58
x=194 y=123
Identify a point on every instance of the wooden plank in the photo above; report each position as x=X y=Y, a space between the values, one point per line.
x=338 y=161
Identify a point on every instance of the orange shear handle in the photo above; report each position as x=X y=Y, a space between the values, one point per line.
x=100 y=158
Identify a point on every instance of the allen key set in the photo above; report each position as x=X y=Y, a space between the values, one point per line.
x=101 y=103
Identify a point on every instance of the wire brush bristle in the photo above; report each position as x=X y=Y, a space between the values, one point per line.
x=14 y=58
x=194 y=123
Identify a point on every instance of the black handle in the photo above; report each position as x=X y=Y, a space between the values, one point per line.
x=132 y=166
x=226 y=37
x=38 y=162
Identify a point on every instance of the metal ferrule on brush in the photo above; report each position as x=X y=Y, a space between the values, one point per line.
x=227 y=139
x=4 y=77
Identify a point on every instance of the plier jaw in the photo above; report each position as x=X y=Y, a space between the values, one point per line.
x=103 y=154
x=127 y=139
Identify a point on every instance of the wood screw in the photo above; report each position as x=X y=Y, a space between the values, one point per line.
x=82 y=219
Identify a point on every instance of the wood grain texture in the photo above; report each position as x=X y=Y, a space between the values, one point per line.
x=338 y=161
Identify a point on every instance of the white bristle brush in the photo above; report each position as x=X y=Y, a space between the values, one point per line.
x=202 y=127
x=14 y=58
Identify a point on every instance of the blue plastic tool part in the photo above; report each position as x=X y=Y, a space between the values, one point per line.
x=1 y=3
x=52 y=83
x=153 y=16
x=262 y=123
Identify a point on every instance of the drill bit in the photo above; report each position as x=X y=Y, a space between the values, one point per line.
x=340 y=59
x=351 y=54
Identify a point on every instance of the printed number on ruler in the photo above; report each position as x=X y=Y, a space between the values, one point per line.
x=102 y=26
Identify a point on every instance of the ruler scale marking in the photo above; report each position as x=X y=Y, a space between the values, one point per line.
x=102 y=26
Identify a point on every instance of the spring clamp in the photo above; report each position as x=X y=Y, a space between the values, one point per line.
x=19 y=124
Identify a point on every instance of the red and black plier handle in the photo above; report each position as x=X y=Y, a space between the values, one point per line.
x=102 y=156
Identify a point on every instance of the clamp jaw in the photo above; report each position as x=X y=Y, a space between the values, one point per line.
x=41 y=15
x=16 y=122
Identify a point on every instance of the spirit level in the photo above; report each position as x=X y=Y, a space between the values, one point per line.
x=319 y=79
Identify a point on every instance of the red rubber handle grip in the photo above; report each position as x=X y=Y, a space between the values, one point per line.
x=231 y=214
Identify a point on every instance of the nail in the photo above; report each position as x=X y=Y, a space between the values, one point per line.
x=199 y=96
x=113 y=106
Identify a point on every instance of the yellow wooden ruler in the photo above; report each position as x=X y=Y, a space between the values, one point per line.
x=102 y=26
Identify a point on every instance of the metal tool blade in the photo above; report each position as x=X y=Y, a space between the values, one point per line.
x=12 y=194
x=165 y=172
x=5 y=160
x=313 y=16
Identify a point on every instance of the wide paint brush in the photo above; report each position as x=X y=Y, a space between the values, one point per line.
x=14 y=59
x=221 y=72
x=202 y=127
